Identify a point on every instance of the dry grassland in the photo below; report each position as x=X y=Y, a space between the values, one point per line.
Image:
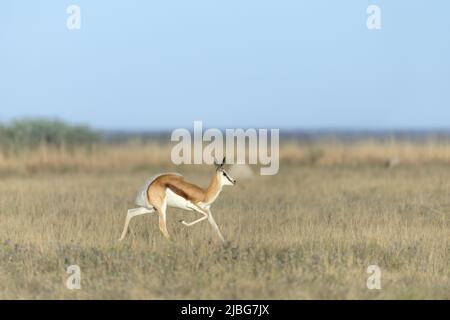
x=309 y=232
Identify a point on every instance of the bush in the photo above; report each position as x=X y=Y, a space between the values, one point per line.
x=32 y=133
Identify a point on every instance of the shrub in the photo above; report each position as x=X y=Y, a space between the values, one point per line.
x=32 y=133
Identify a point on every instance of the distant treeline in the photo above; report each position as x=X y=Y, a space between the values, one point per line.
x=32 y=133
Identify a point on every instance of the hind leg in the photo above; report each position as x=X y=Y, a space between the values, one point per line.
x=131 y=214
x=162 y=209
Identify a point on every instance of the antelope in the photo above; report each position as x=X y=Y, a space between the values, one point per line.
x=171 y=190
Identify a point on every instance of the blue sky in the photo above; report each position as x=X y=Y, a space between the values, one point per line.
x=147 y=65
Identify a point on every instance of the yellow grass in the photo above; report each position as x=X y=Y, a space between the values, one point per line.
x=137 y=156
x=309 y=232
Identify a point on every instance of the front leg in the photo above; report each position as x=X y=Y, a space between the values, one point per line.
x=214 y=225
x=197 y=209
x=190 y=224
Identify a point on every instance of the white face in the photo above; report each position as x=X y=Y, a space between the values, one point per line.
x=226 y=179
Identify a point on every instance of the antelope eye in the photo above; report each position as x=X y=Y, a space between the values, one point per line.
x=224 y=174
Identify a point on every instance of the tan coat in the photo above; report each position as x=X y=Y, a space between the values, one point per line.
x=187 y=190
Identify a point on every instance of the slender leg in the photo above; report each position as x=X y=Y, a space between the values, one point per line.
x=215 y=227
x=131 y=214
x=198 y=209
x=162 y=220
x=213 y=223
x=194 y=222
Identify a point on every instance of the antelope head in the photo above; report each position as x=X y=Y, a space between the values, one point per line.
x=224 y=178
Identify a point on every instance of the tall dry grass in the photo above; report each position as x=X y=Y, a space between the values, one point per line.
x=309 y=232
x=137 y=156
x=366 y=152
x=100 y=158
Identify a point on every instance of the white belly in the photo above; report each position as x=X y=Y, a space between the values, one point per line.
x=175 y=201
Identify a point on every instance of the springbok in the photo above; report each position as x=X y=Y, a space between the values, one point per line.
x=170 y=189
